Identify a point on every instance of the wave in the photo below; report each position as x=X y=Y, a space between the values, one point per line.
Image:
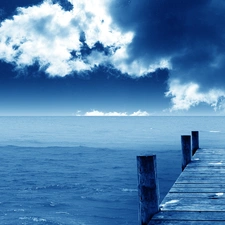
x=35 y=219
x=129 y=190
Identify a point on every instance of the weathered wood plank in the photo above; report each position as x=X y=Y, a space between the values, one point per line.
x=174 y=195
x=206 y=156
x=197 y=190
x=208 y=153
x=217 y=199
x=201 y=166
x=193 y=204
x=194 y=207
x=186 y=216
x=210 y=175
x=195 y=180
x=175 y=222
x=205 y=169
x=209 y=150
x=215 y=185
x=210 y=163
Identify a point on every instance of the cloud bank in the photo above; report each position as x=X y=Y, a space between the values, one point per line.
x=99 y=113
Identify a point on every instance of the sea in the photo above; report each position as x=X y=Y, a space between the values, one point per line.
x=83 y=170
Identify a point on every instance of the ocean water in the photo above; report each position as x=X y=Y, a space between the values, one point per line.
x=82 y=170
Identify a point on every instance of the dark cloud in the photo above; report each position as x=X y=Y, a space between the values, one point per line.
x=85 y=50
x=8 y=7
x=190 y=33
x=65 y=4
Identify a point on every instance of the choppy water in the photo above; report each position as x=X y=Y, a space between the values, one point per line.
x=82 y=170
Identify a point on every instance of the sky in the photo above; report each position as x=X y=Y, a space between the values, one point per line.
x=112 y=58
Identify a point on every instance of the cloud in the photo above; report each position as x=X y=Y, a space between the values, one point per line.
x=188 y=35
x=184 y=96
x=99 y=113
x=140 y=113
x=63 y=41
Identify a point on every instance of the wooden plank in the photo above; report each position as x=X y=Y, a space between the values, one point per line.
x=202 y=155
x=194 y=180
x=186 y=216
x=195 y=207
x=193 y=204
x=202 y=175
x=200 y=178
x=205 y=169
x=209 y=150
x=210 y=163
x=196 y=194
x=215 y=185
x=180 y=200
x=175 y=222
x=210 y=174
x=202 y=166
x=197 y=190
x=208 y=156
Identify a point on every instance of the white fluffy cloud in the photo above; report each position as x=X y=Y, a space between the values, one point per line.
x=184 y=96
x=140 y=113
x=47 y=34
x=99 y=113
x=54 y=38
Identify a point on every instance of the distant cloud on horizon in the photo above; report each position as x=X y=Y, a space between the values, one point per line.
x=99 y=113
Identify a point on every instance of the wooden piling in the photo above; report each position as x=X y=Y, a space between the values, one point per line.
x=195 y=141
x=186 y=150
x=148 y=188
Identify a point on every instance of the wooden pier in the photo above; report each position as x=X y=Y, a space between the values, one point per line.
x=198 y=195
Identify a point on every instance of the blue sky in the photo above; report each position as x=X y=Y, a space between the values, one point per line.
x=122 y=57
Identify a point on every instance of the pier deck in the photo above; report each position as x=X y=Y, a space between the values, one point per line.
x=198 y=195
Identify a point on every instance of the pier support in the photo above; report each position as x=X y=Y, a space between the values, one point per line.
x=148 y=188
x=186 y=150
x=195 y=141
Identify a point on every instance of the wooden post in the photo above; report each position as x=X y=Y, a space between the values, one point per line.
x=148 y=188
x=195 y=141
x=186 y=150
